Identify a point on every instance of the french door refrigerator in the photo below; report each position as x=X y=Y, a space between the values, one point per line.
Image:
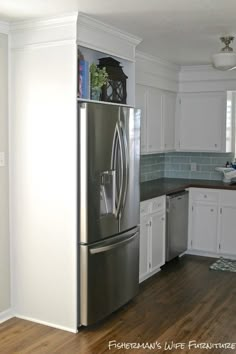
x=108 y=208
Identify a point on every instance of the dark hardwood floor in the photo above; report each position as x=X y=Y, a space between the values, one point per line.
x=184 y=302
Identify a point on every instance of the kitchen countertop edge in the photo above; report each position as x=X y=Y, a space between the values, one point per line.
x=165 y=186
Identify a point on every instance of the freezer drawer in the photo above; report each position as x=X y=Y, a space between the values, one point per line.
x=109 y=275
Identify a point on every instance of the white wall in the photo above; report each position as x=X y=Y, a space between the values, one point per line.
x=43 y=176
x=4 y=208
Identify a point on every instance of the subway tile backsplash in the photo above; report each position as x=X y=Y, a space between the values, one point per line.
x=178 y=165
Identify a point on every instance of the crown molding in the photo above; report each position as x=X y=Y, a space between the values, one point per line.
x=202 y=67
x=85 y=20
x=156 y=72
x=4 y=27
x=44 y=23
x=43 y=31
x=161 y=62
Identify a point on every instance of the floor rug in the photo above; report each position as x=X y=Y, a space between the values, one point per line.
x=225 y=265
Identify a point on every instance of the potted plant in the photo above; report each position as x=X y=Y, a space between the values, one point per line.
x=98 y=78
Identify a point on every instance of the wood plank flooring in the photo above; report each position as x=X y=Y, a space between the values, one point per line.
x=184 y=302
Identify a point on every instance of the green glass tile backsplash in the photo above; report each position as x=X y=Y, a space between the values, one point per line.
x=178 y=165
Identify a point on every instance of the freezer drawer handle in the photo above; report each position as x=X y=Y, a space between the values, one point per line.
x=110 y=247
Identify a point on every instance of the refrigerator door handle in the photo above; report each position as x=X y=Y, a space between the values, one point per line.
x=114 y=245
x=126 y=164
x=117 y=144
x=119 y=203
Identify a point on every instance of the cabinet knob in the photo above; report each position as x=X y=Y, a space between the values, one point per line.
x=212 y=210
x=216 y=145
x=163 y=219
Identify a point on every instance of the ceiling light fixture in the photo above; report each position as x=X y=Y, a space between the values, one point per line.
x=226 y=59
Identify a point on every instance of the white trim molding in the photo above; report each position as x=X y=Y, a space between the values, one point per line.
x=203 y=78
x=99 y=36
x=43 y=31
x=156 y=72
x=6 y=315
x=46 y=23
x=4 y=27
x=45 y=323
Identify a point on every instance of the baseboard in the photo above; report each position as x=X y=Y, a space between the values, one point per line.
x=6 y=315
x=45 y=323
x=208 y=254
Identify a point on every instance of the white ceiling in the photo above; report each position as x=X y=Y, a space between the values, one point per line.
x=183 y=31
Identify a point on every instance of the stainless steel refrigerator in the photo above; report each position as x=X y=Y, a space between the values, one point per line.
x=108 y=208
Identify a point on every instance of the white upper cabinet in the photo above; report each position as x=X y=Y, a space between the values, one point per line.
x=157 y=119
x=141 y=102
x=202 y=121
x=169 y=109
x=154 y=120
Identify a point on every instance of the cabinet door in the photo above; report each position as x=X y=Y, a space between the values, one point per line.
x=144 y=247
x=169 y=107
x=202 y=121
x=227 y=230
x=154 y=120
x=204 y=227
x=140 y=102
x=157 y=240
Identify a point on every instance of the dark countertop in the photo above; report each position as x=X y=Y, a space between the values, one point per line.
x=162 y=186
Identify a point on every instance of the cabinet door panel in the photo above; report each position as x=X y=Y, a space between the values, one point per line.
x=202 y=121
x=144 y=247
x=227 y=230
x=157 y=241
x=154 y=120
x=169 y=107
x=140 y=99
x=204 y=227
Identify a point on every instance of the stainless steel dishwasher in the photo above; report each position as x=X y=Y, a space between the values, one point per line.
x=176 y=224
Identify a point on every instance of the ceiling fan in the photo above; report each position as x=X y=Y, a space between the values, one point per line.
x=226 y=58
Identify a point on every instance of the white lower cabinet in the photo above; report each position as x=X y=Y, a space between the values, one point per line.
x=157 y=241
x=204 y=227
x=152 y=237
x=144 y=247
x=227 y=236
x=212 y=222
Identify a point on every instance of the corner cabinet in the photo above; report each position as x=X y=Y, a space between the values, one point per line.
x=212 y=215
x=227 y=223
x=152 y=237
x=202 y=121
x=157 y=119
